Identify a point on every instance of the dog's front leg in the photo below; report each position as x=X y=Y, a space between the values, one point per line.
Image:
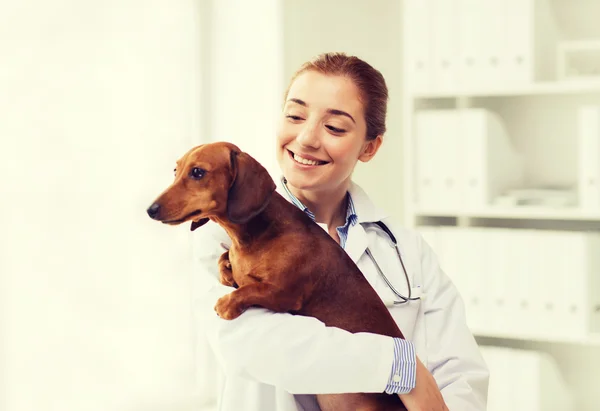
x=263 y=295
x=225 y=272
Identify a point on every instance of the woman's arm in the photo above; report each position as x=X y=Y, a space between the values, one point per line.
x=453 y=355
x=299 y=354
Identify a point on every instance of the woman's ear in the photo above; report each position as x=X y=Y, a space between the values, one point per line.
x=370 y=149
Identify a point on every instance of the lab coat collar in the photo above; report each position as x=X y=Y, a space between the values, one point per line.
x=358 y=241
x=366 y=211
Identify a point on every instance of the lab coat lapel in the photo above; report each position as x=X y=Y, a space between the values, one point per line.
x=366 y=211
x=357 y=241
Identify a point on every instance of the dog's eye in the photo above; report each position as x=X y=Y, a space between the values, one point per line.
x=197 y=173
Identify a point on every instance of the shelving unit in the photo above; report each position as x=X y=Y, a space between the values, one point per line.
x=540 y=114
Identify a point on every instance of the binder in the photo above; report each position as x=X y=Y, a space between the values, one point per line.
x=474 y=266
x=494 y=37
x=437 y=163
x=519 y=42
x=500 y=249
x=525 y=380
x=447 y=158
x=472 y=44
x=444 y=44
x=418 y=29
x=589 y=157
x=578 y=269
x=490 y=163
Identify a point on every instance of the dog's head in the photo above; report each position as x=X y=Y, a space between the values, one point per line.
x=215 y=179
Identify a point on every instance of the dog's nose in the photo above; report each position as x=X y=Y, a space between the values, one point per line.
x=153 y=210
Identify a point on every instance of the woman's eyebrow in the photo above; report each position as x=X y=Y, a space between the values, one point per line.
x=330 y=110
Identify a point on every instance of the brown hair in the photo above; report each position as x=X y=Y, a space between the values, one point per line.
x=370 y=82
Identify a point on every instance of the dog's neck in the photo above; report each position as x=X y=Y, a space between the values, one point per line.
x=245 y=233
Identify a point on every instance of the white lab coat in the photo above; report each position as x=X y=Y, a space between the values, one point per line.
x=265 y=358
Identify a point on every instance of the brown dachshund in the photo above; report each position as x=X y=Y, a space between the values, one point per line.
x=279 y=258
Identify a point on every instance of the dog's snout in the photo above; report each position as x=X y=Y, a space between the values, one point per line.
x=153 y=210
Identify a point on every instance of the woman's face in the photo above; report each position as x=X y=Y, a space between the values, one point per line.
x=322 y=132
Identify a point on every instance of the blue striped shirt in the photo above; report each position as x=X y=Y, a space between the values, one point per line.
x=404 y=368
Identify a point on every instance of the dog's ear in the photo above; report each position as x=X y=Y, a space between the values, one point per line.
x=250 y=190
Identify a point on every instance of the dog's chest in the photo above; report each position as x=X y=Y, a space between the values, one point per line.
x=246 y=267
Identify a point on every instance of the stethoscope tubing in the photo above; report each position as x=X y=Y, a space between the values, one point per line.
x=402 y=299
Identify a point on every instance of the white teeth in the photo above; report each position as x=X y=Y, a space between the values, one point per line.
x=306 y=161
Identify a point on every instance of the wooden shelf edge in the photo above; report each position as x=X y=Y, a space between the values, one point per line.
x=591 y=340
x=522 y=213
x=544 y=88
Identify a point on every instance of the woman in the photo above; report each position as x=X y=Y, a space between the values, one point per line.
x=334 y=116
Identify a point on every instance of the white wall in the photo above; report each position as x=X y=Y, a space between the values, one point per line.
x=372 y=31
x=245 y=68
x=98 y=100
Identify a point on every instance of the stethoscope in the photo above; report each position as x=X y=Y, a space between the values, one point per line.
x=401 y=298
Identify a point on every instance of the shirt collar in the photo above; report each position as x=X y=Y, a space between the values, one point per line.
x=351 y=216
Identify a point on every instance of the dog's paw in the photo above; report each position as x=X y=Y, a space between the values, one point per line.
x=225 y=264
x=225 y=281
x=226 y=278
x=226 y=309
x=225 y=272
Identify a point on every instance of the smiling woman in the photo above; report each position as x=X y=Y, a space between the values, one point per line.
x=334 y=117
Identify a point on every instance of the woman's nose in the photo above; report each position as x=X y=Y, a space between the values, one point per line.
x=309 y=137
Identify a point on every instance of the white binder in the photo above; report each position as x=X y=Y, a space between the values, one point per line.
x=519 y=42
x=418 y=28
x=589 y=157
x=472 y=45
x=525 y=380
x=444 y=24
x=490 y=163
x=427 y=183
x=437 y=160
x=499 y=395
x=494 y=37
x=474 y=266
x=500 y=274
x=578 y=273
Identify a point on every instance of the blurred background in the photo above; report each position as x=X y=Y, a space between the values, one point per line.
x=493 y=150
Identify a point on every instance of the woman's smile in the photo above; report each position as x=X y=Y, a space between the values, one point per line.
x=305 y=161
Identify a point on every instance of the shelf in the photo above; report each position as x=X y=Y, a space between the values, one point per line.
x=523 y=213
x=542 y=89
x=591 y=340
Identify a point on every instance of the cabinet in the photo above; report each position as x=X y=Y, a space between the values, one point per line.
x=502 y=175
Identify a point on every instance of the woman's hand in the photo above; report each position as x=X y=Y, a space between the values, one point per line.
x=426 y=395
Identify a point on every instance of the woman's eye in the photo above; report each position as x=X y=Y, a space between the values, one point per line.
x=197 y=173
x=293 y=117
x=335 y=129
